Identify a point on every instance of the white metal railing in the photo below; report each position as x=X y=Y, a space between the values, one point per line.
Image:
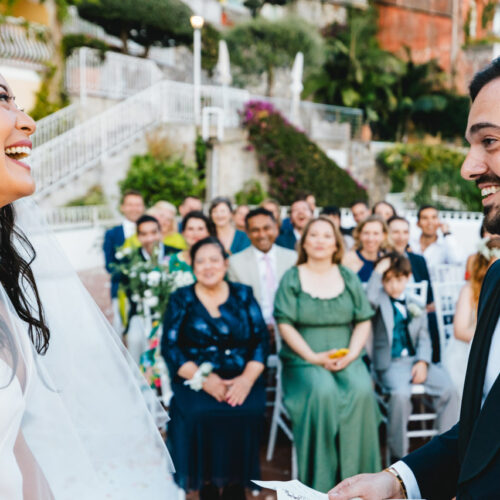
x=116 y=76
x=57 y=123
x=22 y=41
x=84 y=216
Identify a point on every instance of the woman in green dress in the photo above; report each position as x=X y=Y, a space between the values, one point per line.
x=320 y=308
x=195 y=227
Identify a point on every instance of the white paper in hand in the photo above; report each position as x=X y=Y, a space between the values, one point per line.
x=294 y=490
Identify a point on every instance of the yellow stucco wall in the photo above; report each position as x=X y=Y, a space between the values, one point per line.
x=24 y=84
x=31 y=10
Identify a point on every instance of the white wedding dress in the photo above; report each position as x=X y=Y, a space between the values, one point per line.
x=80 y=422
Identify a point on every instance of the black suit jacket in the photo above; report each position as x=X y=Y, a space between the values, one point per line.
x=467 y=464
x=421 y=273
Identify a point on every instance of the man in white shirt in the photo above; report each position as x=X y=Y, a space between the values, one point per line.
x=465 y=461
x=263 y=264
x=436 y=243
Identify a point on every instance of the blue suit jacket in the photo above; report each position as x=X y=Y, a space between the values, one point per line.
x=440 y=470
x=287 y=239
x=114 y=238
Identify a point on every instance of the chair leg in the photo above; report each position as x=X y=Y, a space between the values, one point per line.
x=272 y=433
x=295 y=469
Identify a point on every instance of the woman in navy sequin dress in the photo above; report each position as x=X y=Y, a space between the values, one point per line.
x=214 y=434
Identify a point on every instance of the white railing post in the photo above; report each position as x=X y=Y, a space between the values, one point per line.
x=83 y=75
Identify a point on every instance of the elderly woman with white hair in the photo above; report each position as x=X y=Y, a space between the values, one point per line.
x=166 y=212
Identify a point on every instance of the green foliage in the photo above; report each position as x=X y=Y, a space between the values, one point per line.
x=261 y=47
x=357 y=72
x=210 y=37
x=74 y=41
x=148 y=22
x=296 y=166
x=94 y=196
x=162 y=179
x=435 y=167
x=252 y=193
x=488 y=13
x=43 y=104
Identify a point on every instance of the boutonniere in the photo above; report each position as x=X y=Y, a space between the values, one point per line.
x=414 y=310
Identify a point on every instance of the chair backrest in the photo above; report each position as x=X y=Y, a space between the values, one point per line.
x=445 y=298
x=418 y=291
x=447 y=272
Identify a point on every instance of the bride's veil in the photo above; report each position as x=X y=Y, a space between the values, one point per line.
x=90 y=419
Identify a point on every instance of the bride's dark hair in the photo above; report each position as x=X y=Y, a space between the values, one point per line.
x=18 y=281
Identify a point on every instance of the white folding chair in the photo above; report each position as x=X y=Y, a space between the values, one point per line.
x=445 y=297
x=445 y=273
x=280 y=415
x=418 y=291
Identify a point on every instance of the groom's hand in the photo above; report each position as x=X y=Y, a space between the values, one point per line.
x=368 y=487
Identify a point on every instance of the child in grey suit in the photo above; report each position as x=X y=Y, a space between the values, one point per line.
x=402 y=351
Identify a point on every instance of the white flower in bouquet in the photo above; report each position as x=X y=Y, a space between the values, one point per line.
x=126 y=251
x=182 y=278
x=414 y=310
x=133 y=274
x=154 y=278
x=143 y=277
x=119 y=255
x=151 y=301
x=148 y=294
x=135 y=297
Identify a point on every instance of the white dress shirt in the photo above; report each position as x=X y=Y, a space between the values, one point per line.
x=267 y=295
x=129 y=228
x=492 y=373
x=444 y=250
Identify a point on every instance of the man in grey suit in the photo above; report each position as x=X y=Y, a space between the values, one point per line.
x=263 y=264
x=402 y=351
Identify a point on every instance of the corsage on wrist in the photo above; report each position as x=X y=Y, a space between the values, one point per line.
x=199 y=377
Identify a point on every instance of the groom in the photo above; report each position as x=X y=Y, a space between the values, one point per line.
x=465 y=461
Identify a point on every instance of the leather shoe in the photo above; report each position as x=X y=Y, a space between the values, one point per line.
x=233 y=492
x=209 y=492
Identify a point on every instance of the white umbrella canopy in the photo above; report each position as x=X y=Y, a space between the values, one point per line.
x=223 y=68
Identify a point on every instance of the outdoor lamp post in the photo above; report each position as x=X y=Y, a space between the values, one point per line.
x=197 y=23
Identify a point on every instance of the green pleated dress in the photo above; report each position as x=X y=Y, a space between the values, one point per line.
x=335 y=416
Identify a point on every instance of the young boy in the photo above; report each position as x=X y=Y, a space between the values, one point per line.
x=402 y=351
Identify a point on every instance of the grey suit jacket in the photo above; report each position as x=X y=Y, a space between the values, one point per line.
x=243 y=267
x=383 y=326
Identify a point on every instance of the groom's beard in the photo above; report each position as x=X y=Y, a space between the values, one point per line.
x=491 y=212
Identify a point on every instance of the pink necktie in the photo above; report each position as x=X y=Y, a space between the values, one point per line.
x=270 y=277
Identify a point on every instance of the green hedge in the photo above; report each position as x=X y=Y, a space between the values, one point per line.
x=435 y=166
x=296 y=166
x=158 y=179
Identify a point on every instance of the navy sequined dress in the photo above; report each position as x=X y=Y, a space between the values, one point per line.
x=211 y=441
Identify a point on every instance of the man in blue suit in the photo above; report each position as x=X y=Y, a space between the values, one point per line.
x=132 y=207
x=300 y=215
x=465 y=461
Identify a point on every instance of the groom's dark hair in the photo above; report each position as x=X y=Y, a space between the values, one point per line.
x=481 y=78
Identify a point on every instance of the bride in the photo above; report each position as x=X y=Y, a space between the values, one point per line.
x=77 y=421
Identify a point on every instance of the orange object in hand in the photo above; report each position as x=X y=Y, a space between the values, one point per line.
x=339 y=354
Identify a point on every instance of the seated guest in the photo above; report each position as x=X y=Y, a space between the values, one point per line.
x=465 y=320
x=436 y=243
x=263 y=264
x=321 y=308
x=221 y=214
x=384 y=209
x=189 y=204
x=151 y=248
x=195 y=227
x=132 y=207
x=402 y=352
x=371 y=240
x=333 y=213
x=300 y=215
x=399 y=233
x=360 y=211
x=239 y=215
x=215 y=343
x=166 y=213
x=275 y=208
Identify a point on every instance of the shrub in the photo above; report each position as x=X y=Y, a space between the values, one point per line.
x=435 y=167
x=94 y=196
x=296 y=166
x=252 y=193
x=157 y=179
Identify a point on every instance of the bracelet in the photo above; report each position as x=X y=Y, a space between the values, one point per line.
x=394 y=472
x=199 y=377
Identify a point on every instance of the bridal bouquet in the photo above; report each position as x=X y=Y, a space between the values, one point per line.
x=147 y=283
